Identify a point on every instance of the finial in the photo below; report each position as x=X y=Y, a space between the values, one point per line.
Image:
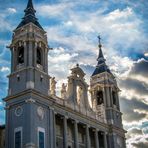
x=77 y=65
x=99 y=38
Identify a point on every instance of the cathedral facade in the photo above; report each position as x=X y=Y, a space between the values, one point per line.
x=37 y=118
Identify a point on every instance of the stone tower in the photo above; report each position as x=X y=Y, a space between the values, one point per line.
x=28 y=83
x=105 y=100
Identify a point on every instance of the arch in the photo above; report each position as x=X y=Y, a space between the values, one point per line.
x=39 y=56
x=99 y=97
x=20 y=58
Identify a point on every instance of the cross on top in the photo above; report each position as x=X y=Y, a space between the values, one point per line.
x=99 y=38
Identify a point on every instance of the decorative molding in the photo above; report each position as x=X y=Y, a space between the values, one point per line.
x=30 y=100
x=40 y=112
x=18 y=111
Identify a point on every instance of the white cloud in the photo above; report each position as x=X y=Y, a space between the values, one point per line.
x=4 y=69
x=60 y=62
x=53 y=10
x=11 y=10
x=117 y=14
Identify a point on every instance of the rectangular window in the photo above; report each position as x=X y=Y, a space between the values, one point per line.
x=18 y=137
x=41 y=138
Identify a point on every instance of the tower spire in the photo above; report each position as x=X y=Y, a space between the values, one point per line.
x=100 y=56
x=101 y=65
x=30 y=4
x=30 y=9
x=29 y=16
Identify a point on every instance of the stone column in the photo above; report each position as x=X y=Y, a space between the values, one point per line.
x=52 y=128
x=87 y=137
x=96 y=139
x=76 y=142
x=12 y=60
x=25 y=53
x=7 y=134
x=46 y=61
x=30 y=53
x=65 y=131
x=105 y=140
x=35 y=54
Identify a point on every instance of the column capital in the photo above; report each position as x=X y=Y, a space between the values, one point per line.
x=30 y=100
x=24 y=42
x=87 y=126
x=76 y=121
x=51 y=108
x=66 y=117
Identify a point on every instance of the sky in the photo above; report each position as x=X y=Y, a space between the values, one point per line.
x=72 y=28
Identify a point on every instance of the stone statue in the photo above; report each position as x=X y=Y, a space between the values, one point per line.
x=63 y=91
x=79 y=94
x=53 y=86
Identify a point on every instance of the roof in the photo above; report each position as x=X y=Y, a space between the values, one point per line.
x=101 y=65
x=29 y=16
x=101 y=69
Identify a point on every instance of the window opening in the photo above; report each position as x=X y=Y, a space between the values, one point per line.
x=99 y=97
x=21 y=55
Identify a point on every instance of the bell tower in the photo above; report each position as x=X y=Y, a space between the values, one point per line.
x=29 y=50
x=26 y=118
x=105 y=99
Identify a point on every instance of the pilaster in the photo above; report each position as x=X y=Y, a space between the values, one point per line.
x=65 y=131
x=76 y=142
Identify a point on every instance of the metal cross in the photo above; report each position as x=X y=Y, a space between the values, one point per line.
x=99 y=40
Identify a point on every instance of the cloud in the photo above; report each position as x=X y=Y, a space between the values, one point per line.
x=11 y=10
x=4 y=69
x=139 y=141
x=53 y=10
x=60 y=61
x=131 y=111
x=140 y=68
x=146 y=54
x=132 y=132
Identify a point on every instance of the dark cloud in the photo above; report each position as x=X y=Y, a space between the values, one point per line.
x=140 y=68
x=134 y=84
x=133 y=131
x=128 y=106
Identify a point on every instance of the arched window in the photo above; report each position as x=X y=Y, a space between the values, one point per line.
x=20 y=58
x=39 y=56
x=99 y=96
x=114 y=97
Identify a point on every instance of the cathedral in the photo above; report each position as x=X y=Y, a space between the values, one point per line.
x=37 y=118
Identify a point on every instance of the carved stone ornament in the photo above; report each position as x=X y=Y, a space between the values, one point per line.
x=40 y=112
x=18 y=111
